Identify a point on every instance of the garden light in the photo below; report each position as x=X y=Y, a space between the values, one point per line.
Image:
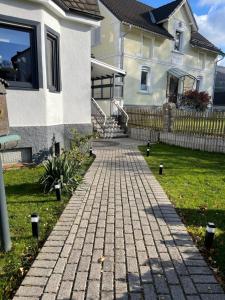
x=148 y=151
x=161 y=169
x=91 y=151
x=209 y=235
x=35 y=225
x=58 y=192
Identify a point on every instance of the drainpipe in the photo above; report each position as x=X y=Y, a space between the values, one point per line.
x=214 y=85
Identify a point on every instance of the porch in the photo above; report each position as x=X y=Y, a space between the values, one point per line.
x=178 y=83
x=108 y=116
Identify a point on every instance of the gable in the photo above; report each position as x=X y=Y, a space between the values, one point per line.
x=163 y=13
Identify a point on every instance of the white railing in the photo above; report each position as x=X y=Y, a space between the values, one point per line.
x=122 y=115
x=98 y=114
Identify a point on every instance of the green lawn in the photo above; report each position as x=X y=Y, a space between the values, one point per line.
x=195 y=183
x=24 y=196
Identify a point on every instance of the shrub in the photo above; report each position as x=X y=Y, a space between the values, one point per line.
x=60 y=170
x=196 y=100
x=64 y=169
x=79 y=146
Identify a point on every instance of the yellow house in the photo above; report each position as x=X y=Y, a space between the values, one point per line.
x=160 y=49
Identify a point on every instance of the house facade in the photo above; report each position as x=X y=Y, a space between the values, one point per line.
x=45 y=55
x=160 y=49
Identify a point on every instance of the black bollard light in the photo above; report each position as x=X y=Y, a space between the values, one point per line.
x=91 y=151
x=58 y=192
x=161 y=169
x=35 y=225
x=148 y=151
x=209 y=235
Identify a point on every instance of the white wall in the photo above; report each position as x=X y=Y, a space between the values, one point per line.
x=72 y=104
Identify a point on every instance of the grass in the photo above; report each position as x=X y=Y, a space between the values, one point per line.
x=24 y=196
x=195 y=183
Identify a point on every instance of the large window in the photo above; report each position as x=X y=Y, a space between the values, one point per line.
x=52 y=60
x=18 y=58
x=178 y=41
x=145 y=79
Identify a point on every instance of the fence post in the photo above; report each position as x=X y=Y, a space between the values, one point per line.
x=168 y=116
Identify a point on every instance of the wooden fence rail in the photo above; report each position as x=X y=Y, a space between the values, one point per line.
x=183 y=122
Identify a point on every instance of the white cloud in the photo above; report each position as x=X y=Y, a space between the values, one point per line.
x=212 y=25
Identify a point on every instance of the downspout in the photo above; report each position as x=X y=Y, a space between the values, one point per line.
x=214 y=85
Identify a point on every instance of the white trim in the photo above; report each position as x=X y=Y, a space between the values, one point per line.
x=106 y=66
x=53 y=7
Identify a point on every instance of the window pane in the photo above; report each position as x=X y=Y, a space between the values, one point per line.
x=50 y=74
x=177 y=40
x=52 y=62
x=144 y=80
x=15 y=54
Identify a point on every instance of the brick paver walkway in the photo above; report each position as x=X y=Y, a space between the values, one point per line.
x=119 y=238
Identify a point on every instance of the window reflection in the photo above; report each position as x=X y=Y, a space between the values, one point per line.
x=16 y=54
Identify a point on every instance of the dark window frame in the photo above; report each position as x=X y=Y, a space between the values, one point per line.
x=34 y=29
x=56 y=71
x=177 y=47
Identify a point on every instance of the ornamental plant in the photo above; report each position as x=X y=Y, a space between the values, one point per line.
x=196 y=100
x=65 y=168
x=60 y=170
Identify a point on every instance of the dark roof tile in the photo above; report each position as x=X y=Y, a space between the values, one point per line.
x=163 y=12
x=89 y=8
x=200 y=41
x=135 y=13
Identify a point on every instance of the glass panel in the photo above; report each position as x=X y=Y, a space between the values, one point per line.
x=177 y=40
x=144 y=80
x=50 y=73
x=15 y=54
x=52 y=62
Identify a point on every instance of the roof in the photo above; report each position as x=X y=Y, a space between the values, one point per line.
x=88 y=8
x=163 y=12
x=138 y=14
x=135 y=13
x=178 y=73
x=199 y=40
x=100 y=69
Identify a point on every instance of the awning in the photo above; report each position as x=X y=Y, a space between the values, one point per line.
x=101 y=70
x=178 y=73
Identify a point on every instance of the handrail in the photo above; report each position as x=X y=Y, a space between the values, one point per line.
x=99 y=116
x=122 y=111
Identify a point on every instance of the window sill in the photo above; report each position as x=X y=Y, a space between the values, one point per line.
x=144 y=92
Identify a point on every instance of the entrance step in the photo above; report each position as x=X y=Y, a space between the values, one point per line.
x=111 y=130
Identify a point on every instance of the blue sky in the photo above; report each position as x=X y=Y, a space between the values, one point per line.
x=210 y=16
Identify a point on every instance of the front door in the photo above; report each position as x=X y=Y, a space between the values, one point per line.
x=173 y=89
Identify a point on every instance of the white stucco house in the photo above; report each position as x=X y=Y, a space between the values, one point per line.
x=45 y=55
x=160 y=49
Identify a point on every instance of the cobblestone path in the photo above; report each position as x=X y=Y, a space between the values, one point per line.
x=119 y=238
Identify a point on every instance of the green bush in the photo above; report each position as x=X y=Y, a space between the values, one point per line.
x=65 y=169
x=60 y=170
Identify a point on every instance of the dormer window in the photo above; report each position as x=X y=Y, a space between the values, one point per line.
x=178 y=41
